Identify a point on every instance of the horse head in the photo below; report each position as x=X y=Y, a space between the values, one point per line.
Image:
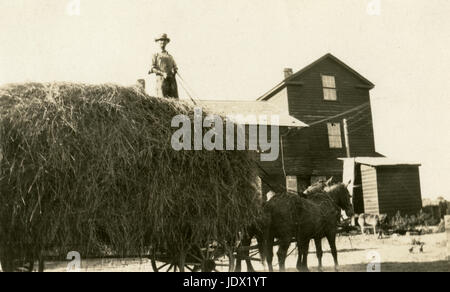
x=318 y=186
x=342 y=197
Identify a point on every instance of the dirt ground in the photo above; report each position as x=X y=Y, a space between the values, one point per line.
x=393 y=254
x=355 y=253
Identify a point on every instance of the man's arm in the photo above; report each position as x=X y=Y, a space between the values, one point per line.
x=155 y=69
x=175 y=67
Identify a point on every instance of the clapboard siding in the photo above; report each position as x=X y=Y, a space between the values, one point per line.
x=370 y=189
x=389 y=189
x=399 y=189
x=292 y=151
x=295 y=150
x=306 y=103
x=306 y=151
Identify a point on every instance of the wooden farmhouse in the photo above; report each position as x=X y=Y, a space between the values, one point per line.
x=326 y=130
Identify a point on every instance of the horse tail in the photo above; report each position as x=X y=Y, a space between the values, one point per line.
x=264 y=234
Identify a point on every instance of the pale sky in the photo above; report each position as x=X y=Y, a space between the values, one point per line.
x=237 y=49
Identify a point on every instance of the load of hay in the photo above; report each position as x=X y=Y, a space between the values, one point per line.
x=90 y=168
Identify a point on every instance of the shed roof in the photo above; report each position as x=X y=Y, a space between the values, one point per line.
x=240 y=111
x=382 y=161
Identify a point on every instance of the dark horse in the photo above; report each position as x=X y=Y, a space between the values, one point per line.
x=256 y=231
x=291 y=216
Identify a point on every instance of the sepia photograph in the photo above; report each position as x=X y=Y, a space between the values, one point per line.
x=236 y=136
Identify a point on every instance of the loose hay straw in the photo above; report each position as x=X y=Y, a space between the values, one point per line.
x=90 y=168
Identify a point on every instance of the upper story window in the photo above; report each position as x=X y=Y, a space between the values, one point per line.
x=334 y=135
x=329 y=87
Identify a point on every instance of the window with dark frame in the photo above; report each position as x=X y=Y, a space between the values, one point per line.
x=334 y=135
x=329 y=87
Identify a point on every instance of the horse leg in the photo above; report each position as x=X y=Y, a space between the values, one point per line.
x=244 y=254
x=300 y=257
x=282 y=253
x=238 y=267
x=302 y=260
x=248 y=262
x=332 y=241
x=250 y=267
x=304 y=248
x=269 y=252
x=240 y=254
x=319 y=251
x=260 y=241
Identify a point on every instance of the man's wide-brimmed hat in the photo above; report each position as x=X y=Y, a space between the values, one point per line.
x=162 y=37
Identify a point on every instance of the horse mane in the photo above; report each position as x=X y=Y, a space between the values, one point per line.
x=326 y=196
x=336 y=188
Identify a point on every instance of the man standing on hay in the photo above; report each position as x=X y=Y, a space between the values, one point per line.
x=165 y=68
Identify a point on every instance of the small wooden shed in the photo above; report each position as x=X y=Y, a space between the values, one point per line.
x=384 y=186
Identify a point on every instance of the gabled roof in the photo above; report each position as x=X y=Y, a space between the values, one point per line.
x=239 y=111
x=286 y=81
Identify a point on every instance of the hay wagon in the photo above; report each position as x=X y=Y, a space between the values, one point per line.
x=90 y=168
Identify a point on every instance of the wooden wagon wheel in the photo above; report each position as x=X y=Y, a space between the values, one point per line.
x=225 y=257
x=192 y=262
x=202 y=259
x=162 y=266
x=162 y=262
x=214 y=257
